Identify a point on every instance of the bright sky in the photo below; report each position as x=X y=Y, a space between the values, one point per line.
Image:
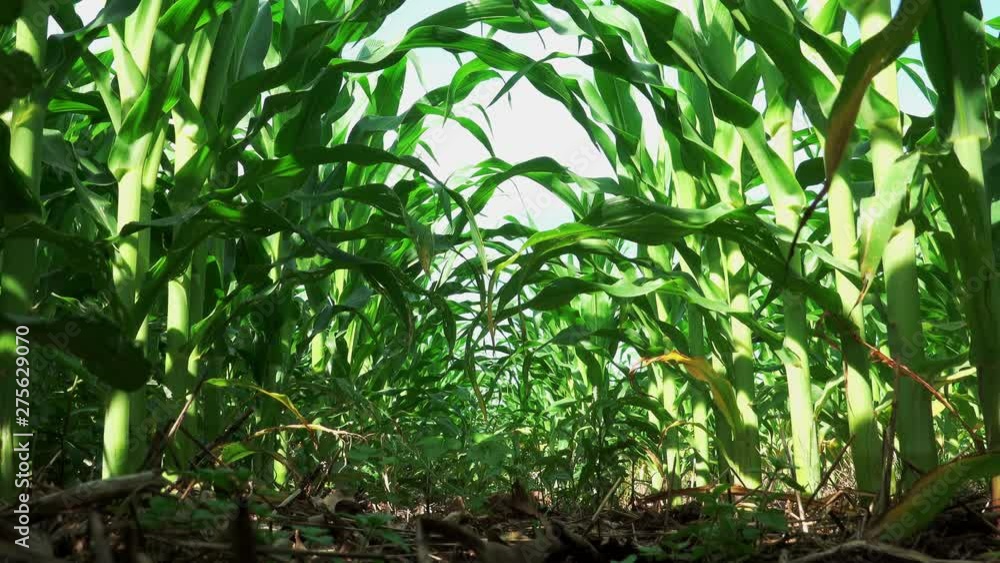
x=529 y=125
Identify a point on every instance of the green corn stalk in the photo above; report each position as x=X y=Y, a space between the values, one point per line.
x=317 y=353
x=186 y=292
x=699 y=403
x=746 y=440
x=17 y=278
x=788 y=208
x=211 y=400
x=132 y=44
x=733 y=273
x=954 y=51
x=716 y=283
x=277 y=351
x=227 y=37
x=740 y=458
x=914 y=423
x=855 y=364
x=746 y=449
x=663 y=388
x=687 y=196
x=866 y=450
x=279 y=371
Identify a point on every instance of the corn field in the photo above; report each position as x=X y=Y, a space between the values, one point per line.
x=280 y=242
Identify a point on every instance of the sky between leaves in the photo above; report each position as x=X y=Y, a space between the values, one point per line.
x=525 y=124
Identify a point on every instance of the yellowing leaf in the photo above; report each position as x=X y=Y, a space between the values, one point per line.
x=699 y=368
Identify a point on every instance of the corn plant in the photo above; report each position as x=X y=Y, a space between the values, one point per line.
x=246 y=197
x=17 y=278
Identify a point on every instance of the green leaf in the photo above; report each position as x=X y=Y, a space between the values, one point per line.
x=301 y=160
x=100 y=345
x=953 y=45
x=874 y=55
x=879 y=213
x=281 y=398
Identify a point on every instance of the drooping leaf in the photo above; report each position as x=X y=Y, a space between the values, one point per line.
x=722 y=390
x=931 y=494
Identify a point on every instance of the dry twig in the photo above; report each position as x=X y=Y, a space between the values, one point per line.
x=881 y=549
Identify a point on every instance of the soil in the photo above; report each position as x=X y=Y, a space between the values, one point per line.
x=147 y=520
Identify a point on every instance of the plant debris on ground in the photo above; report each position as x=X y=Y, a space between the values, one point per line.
x=141 y=518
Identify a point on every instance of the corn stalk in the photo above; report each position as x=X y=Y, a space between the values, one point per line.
x=865 y=444
x=185 y=293
x=914 y=424
x=953 y=47
x=788 y=207
x=132 y=43
x=17 y=278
